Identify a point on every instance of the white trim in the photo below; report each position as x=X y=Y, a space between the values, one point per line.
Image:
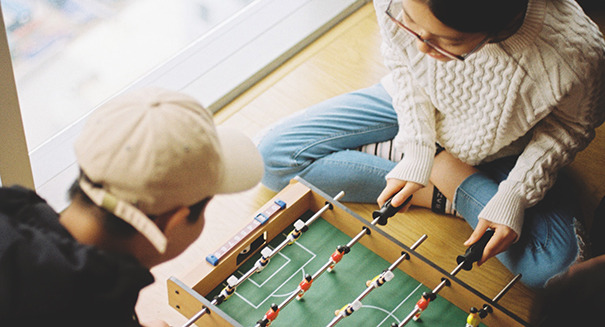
x=244 y=49
x=128 y=213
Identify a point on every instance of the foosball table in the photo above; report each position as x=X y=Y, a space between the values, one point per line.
x=306 y=259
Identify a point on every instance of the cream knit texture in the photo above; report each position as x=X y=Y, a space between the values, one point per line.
x=538 y=94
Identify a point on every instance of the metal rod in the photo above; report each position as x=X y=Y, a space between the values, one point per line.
x=373 y=286
x=335 y=321
x=445 y=281
x=280 y=247
x=289 y=299
x=409 y=317
x=285 y=242
x=309 y=221
x=198 y=315
x=195 y=317
x=293 y=295
x=323 y=209
x=506 y=288
x=405 y=255
x=357 y=238
x=439 y=287
x=375 y=221
x=321 y=270
x=247 y=275
x=418 y=242
x=327 y=265
x=436 y=290
x=392 y=267
x=457 y=269
x=361 y=234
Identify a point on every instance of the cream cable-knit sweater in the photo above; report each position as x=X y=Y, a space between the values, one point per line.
x=539 y=93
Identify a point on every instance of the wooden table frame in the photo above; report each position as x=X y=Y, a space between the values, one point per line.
x=300 y=196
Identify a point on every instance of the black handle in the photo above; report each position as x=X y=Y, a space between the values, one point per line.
x=387 y=211
x=475 y=251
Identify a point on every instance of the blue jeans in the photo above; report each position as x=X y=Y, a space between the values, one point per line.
x=319 y=145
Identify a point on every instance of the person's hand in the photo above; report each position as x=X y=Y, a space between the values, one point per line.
x=399 y=190
x=155 y=323
x=503 y=237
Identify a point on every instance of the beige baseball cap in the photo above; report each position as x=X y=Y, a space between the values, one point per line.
x=153 y=150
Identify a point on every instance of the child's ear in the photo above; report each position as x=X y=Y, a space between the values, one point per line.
x=171 y=220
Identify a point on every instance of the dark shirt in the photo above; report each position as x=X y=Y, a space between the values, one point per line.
x=48 y=278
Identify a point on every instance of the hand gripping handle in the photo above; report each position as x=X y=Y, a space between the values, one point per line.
x=387 y=211
x=475 y=251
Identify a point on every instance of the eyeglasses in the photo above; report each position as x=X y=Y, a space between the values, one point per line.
x=430 y=43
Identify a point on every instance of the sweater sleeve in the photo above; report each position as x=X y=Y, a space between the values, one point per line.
x=556 y=140
x=415 y=114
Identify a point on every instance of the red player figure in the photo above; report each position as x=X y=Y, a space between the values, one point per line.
x=271 y=314
x=336 y=257
x=304 y=286
x=422 y=304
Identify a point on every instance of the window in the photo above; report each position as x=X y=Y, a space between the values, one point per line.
x=69 y=56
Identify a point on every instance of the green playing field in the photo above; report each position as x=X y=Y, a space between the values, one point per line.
x=385 y=305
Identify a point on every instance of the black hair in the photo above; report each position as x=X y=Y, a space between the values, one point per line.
x=197 y=209
x=477 y=16
x=113 y=224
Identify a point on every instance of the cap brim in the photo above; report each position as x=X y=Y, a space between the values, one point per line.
x=243 y=163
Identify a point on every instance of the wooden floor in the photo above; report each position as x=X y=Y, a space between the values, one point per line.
x=344 y=59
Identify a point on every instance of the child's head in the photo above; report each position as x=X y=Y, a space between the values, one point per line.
x=450 y=29
x=147 y=155
x=489 y=17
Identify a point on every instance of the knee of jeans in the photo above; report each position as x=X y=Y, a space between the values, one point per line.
x=280 y=165
x=539 y=278
x=544 y=258
x=276 y=178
